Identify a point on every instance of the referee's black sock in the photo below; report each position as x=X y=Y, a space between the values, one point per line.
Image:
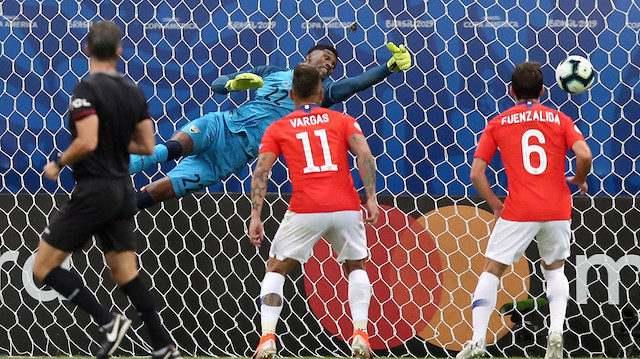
x=141 y=299
x=70 y=285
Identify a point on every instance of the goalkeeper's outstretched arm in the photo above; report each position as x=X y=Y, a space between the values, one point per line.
x=341 y=90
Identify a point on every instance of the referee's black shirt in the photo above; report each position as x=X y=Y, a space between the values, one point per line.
x=119 y=105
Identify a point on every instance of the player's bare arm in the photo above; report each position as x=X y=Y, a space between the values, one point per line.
x=367 y=170
x=143 y=140
x=85 y=142
x=583 y=165
x=258 y=191
x=481 y=183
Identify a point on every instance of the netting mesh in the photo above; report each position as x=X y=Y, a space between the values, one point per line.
x=422 y=126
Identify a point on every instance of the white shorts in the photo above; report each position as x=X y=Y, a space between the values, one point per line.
x=299 y=232
x=510 y=239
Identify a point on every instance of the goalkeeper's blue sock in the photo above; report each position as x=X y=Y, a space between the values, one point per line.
x=163 y=152
x=142 y=300
x=138 y=163
x=70 y=285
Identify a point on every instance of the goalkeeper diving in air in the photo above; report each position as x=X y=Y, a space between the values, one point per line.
x=221 y=143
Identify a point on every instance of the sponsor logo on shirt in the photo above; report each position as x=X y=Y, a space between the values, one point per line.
x=532 y=115
x=80 y=102
x=309 y=120
x=194 y=129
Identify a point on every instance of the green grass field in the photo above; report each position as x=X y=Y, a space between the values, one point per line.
x=116 y=357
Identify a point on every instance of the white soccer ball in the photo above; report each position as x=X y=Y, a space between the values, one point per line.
x=575 y=74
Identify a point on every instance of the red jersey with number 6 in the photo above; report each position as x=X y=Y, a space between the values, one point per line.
x=533 y=141
x=315 y=142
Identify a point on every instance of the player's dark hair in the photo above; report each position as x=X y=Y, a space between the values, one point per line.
x=306 y=81
x=526 y=80
x=103 y=41
x=323 y=47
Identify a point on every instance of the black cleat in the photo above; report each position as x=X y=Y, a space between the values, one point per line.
x=114 y=332
x=168 y=352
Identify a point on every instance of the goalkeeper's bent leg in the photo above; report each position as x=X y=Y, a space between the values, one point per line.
x=154 y=192
x=167 y=151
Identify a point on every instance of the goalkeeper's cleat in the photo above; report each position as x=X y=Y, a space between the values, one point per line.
x=114 y=332
x=244 y=81
x=400 y=58
x=168 y=352
x=360 y=345
x=554 y=345
x=473 y=350
x=266 y=348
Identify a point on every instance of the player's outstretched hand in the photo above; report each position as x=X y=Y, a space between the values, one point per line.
x=400 y=58
x=373 y=212
x=244 y=81
x=583 y=185
x=256 y=232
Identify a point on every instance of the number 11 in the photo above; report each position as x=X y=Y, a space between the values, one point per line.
x=308 y=155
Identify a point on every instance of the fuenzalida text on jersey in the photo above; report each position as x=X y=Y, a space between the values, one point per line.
x=531 y=115
x=310 y=120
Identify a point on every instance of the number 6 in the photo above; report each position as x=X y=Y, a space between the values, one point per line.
x=528 y=149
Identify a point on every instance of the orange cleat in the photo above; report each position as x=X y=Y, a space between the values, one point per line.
x=360 y=345
x=266 y=348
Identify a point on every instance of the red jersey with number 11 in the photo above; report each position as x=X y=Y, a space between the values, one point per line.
x=315 y=142
x=533 y=141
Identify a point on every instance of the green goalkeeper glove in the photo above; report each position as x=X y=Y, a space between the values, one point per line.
x=400 y=58
x=244 y=82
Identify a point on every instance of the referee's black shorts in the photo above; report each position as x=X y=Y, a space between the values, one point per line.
x=103 y=207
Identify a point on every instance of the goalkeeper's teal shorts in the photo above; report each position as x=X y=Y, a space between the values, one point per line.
x=216 y=154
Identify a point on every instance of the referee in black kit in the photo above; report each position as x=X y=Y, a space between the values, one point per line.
x=108 y=118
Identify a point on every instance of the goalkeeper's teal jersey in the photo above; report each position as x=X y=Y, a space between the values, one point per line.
x=271 y=103
x=272 y=100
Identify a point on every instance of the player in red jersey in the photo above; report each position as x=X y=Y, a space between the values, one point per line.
x=315 y=142
x=533 y=141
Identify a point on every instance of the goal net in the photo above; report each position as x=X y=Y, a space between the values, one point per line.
x=422 y=125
